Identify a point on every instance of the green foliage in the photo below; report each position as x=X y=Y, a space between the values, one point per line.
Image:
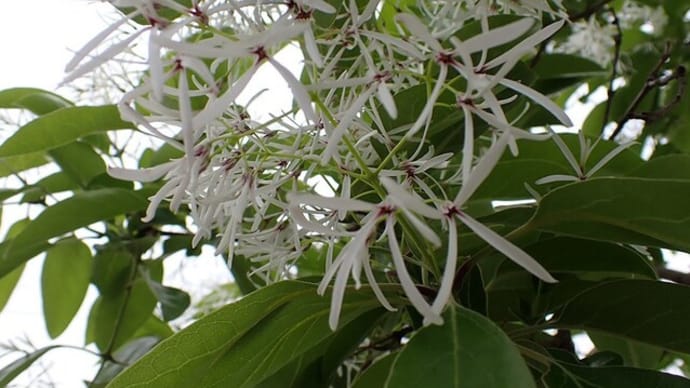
x=600 y=236
x=64 y=280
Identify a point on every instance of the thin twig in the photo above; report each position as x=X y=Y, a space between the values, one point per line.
x=651 y=83
x=617 y=39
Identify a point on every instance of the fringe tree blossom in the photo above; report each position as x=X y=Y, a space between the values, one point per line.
x=578 y=164
x=252 y=178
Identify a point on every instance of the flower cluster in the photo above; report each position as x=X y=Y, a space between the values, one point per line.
x=251 y=184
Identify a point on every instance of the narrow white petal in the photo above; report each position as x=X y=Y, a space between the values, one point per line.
x=320 y=5
x=345 y=121
x=93 y=43
x=142 y=175
x=156 y=199
x=406 y=47
x=495 y=37
x=449 y=271
x=429 y=107
x=406 y=281
x=422 y=228
x=468 y=145
x=482 y=169
x=407 y=200
x=155 y=66
x=215 y=108
x=539 y=99
x=335 y=203
x=386 y=98
x=418 y=29
x=101 y=58
x=608 y=158
x=519 y=49
x=312 y=49
x=338 y=294
x=507 y=248
x=556 y=178
x=375 y=287
x=565 y=151
x=312 y=226
x=298 y=90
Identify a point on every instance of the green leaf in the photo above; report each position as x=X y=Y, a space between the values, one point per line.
x=111 y=268
x=556 y=65
x=376 y=375
x=653 y=312
x=538 y=159
x=125 y=355
x=634 y=353
x=38 y=101
x=124 y=312
x=80 y=210
x=64 y=281
x=16 y=164
x=7 y=284
x=173 y=301
x=318 y=366
x=61 y=127
x=586 y=259
x=610 y=376
x=632 y=210
x=460 y=353
x=49 y=184
x=14 y=369
x=12 y=255
x=245 y=342
x=79 y=161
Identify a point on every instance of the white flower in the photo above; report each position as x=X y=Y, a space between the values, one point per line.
x=592 y=40
x=578 y=165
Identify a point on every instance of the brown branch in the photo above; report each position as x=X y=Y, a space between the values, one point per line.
x=652 y=82
x=618 y=40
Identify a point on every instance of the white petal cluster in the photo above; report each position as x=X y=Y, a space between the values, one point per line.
x=250 y=184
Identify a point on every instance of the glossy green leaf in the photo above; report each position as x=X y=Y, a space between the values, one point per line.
x=634 y=353
x=15 y=164
x=575 y=376
x=318 y=367
x=538 y=159
x=558 y=65
x=7 y=285
x=62 y=127
x=462 y=352
x=16 y=367
x=111 y=268
x=80 y=210
x=79 y=161
x=586 y=259
x=13 y=256
x=125 y=355
x=653 y=312
x=64 y=281
x=173 y=301
x=377 y=374
x=245 y=342
x=50 y=184
x=114 y=319
x=38 y=101
x=632 y=210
